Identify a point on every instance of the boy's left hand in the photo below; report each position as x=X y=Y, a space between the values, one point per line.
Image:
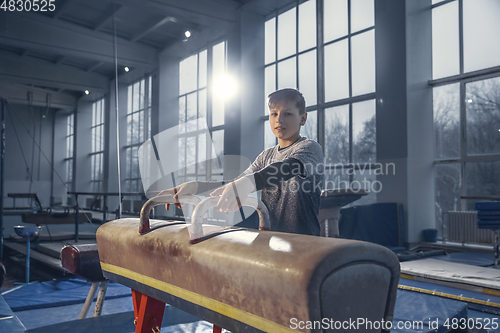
x=228 y=201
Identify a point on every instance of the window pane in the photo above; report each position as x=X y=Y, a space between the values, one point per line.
x=287 y=74
x=447 y=192
x=202 y=103
x=191 y=109
x=310 y=129
x=367 y=180
x=202 y=153
x=218 y=70
x=218 y=61
x=182 y=109
x=287 y=34
x=182 y=155
x=217 y=111
x=218 y=142
x=203 y=69
x=483 y=116
x=483 y=178
x=128 y=163
x=364 y=132
x=270 y=83
x=135 y=128
x=150 y=92
x=337 y=134
x=445 y=46
x=129 y=96
x=336 y=71
x=141 y=127
x=191 y=154
x=307 y=25
x=129 y=129
x=362 y=14
x=335 y=22
x=188 y=69
x=270 y=41
x=336 y=178
x=93 y=143
x=141 y=94
x=269 y=138
x=307 y=77
x=135 y=97
x=481 y=34
x=102 y=137
x=363 y=63
x=447 y=121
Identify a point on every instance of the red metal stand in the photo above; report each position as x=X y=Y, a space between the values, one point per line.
x=217 y=329
x=148 y=313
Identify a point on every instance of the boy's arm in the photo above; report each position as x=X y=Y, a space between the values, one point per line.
x=209 y=186
x=278 y=172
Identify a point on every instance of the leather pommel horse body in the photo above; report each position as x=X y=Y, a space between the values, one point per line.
x=248 y=280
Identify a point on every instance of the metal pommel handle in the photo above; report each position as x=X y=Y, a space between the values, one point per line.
x=161 y=200
x=207 y=203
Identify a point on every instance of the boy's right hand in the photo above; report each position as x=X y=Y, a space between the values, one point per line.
x=183 y=189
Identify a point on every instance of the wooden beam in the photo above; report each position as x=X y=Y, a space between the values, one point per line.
x=107 y=16
x=93 y=67
x=151 y=28
x=61 y=8
x=16 y=94
x=62 y=38
x=45 y=73
x=205 y=13
x=59 y=60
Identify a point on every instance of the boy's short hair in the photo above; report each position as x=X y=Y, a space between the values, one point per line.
x=287 y=95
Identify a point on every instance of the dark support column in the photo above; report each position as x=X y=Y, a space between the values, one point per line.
x=2 y=172
x=232 y=114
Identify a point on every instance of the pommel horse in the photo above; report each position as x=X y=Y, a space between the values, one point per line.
x=245 y=280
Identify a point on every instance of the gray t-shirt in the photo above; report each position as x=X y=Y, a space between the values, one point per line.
x=294 y=205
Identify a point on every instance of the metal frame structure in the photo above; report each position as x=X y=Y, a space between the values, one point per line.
x=463 y=78
x=69 y=160
x=322 y=104
x=97 y=154
x=144 y=114
x=207 y=88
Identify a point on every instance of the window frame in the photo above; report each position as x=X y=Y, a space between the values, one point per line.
x=146 y=119
x=98 y=129
x=321 y=105
x=463 y=78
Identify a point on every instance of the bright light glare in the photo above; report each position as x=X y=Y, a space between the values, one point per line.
x=87 y=92
x=224 y=86
x=187 y=34
x=470 y=101
x=126 y=69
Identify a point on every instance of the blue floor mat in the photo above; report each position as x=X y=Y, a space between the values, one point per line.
x=59 y=292
x=416 y=312
x=174 y=321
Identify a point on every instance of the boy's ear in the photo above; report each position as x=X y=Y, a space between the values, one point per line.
x=304 y=118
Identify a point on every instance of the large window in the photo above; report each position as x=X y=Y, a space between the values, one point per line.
x=466 y=80
x=335 y=38
x=97 y=153
x=70 y=137
x=197 y=76
x=138 y=130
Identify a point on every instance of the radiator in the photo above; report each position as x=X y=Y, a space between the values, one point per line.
x=462 y=227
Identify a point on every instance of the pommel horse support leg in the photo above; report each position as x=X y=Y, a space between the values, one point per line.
x=251 y=280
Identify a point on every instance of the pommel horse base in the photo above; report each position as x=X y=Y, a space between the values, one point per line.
x=246 y=280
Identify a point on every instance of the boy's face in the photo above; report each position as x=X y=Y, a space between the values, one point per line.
x=285 y=122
